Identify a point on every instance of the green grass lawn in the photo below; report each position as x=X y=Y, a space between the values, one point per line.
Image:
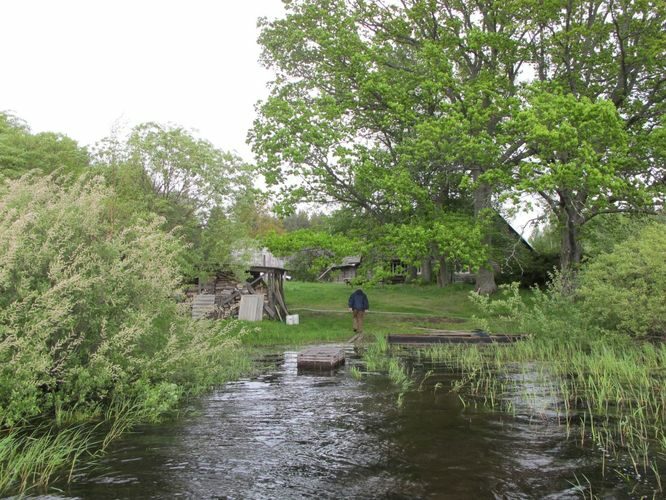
x=323 y=314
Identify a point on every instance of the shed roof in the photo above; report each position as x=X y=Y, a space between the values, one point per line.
x=351 y=260
x=259 y=258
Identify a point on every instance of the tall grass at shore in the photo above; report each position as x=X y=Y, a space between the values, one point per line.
x=604 y=384
x=34 y=455
x=609 y=393
x=31 y=460
x=604 y=387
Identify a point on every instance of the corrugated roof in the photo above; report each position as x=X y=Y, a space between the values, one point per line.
x=352 y=260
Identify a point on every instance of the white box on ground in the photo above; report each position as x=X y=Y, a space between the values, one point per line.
x=292 y=319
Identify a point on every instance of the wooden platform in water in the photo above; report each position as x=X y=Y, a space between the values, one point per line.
x=451 y=337
x=320 y=358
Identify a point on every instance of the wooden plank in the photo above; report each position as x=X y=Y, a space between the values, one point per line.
x=202 y=305
x=269 y=311
x=281 y=302
x=452 y=338
x=251 y=308
x=323 y=357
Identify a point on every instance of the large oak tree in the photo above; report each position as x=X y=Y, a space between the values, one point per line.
x=388 y=107
x=406 y=110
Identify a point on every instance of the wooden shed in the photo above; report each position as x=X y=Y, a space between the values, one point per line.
x=343 y=272
x=220 y=297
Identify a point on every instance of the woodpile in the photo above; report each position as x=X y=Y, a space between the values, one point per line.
x=227 y=292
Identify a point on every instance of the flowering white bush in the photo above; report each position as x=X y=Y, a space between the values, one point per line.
x=86 y=307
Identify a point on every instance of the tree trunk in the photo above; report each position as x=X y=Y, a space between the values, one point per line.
x=444 y=274
x=411 y=274
x=571 y=251
x=426 y=270
x=570 y=248
x=485 y=276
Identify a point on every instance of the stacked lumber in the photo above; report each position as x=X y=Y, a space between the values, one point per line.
x=203 y=306
x=451 y=337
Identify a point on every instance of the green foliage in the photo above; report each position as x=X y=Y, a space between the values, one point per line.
x=203 y=193
x=313 y=251
x=459 y=239
x=544 y=314
x=624 y=290
x=579 y=163
x=452 y=239
x=87 y=310
x=580 y=146
x=545 y=240
x=178 y=168
x=252 y=215
x=46 y=152
x=618 y=292
x=387 y=108
x=404 y=109
x=302 y=219
x=183 y=168
x=601 y=234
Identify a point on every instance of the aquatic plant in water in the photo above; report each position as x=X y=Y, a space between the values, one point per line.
x=612 y=391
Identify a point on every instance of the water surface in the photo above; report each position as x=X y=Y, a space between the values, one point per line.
x=290 y=435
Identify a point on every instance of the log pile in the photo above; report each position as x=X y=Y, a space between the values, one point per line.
x=228 y=291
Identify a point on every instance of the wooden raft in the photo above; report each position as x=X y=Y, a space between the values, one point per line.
x=320 y=358
x=451 y=337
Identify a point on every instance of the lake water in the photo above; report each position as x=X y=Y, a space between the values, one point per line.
x=289 y=435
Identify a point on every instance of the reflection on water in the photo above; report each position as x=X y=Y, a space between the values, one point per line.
x=285 y=435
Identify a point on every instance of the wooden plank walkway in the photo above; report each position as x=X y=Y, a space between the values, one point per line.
x=451 y=337
x=320 y=358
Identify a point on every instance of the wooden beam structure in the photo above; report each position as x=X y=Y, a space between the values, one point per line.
x=320 y=358
x=451 y=337
x=220 y=298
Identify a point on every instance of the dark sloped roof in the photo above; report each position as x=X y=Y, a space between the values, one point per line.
x=352 y=260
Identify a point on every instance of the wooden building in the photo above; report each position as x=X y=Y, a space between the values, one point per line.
x=220 y=296
x=343 y=272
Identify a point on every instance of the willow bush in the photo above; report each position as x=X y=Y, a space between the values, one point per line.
x=87 y=309
x=624 y=290
x=619 y=292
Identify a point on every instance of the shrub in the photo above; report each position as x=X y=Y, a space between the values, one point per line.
x=624 y=290
x=86 y=309
x=546 y=314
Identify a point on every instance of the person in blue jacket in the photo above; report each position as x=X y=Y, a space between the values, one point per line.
x=358 y=304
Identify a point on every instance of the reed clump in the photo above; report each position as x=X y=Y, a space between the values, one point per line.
x=33 y=459
x=605 y=387
x=612 y=391
x=377 y=359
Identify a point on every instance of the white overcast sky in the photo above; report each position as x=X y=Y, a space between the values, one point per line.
x=79 y=66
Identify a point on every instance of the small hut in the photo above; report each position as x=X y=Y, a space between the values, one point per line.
x=221 y=296
x=343 y=272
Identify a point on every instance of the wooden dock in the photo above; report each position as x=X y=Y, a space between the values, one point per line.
x=320 y=358
x=451 y=337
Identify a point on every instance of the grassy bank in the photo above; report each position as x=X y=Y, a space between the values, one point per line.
x=323 y=314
